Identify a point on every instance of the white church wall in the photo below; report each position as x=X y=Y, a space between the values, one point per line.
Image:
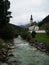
x=36 y=28
x=31 y=28
x=40 y=31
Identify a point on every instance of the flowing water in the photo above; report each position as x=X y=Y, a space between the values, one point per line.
x=24 y=54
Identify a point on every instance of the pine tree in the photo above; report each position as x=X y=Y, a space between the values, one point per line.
x=5 y=15
x=6 y=30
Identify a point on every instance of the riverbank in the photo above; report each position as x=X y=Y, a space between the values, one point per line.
x=41 y=37
x=6 y=48
x=40 y=46
x=22 y=47
x=28 y=55
x=25 y=54
x=42 y=41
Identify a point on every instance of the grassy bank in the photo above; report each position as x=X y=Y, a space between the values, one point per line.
x=41 y=37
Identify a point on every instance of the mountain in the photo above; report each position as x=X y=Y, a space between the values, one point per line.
x=25 y=26
x=44 y=23
x=10 y=31
x=45 y=20
x=17 y=29
x=15 y=26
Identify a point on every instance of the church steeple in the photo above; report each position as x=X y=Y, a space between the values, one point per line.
x=31 y=20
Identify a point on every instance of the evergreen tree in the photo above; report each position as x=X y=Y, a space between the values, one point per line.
x=33 y=34
x=4 y=13
x=6 y=31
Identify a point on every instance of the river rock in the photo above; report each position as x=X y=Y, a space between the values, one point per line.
x=4 y=64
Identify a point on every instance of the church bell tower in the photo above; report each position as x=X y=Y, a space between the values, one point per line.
x=31 y=20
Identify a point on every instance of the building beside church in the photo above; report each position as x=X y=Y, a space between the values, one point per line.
x=34 y=27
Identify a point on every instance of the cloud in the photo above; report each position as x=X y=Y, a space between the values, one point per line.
x=22 y=9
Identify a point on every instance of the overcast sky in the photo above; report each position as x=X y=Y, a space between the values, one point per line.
x=22 y=9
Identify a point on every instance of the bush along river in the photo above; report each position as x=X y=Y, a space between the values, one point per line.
x=24 y=54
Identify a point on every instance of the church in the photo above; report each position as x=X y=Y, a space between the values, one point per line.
x=33 y=26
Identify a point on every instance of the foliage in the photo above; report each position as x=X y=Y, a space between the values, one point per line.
x=29 y=37
x=26 y=35
x=4 y=13
x=44 y=24
x=33 y=34
x=47 y=29
x=42 y=37
x=45 y=20
x=6 y=31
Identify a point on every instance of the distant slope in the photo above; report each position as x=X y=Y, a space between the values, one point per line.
x=44 y=23
x=44 y=26
x=15 y=26
x=9 y=31
x=25 y=26
x=17 y=29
